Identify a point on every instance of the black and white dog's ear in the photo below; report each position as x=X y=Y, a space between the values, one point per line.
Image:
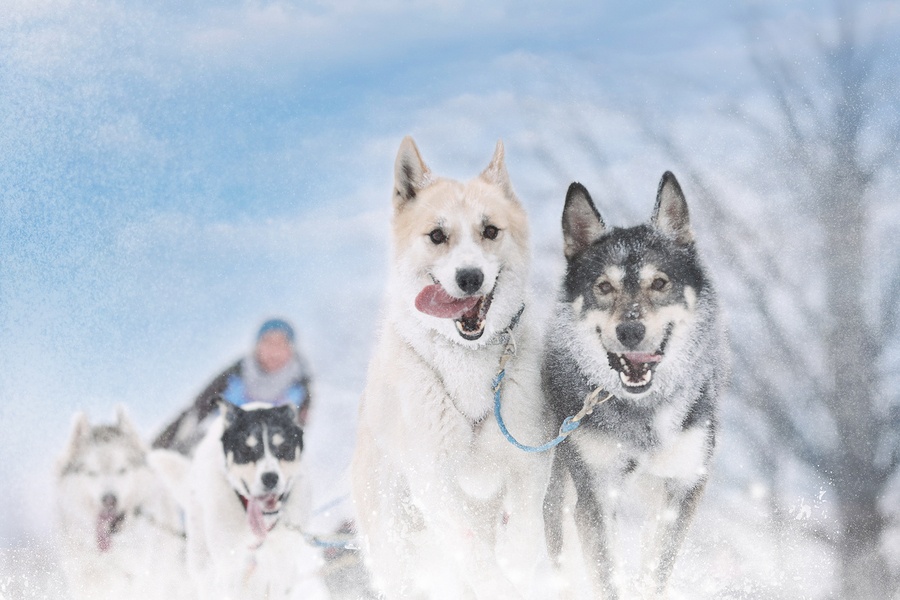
x=231 y=411
x=411 y=175
x=581 y=223
x=671 y=213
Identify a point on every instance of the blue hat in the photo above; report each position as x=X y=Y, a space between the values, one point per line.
x=277 y=325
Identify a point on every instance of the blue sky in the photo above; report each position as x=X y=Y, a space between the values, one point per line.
x=173 y=172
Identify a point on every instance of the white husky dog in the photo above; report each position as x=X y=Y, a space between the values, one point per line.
x=448 y=508
x=246 y=499
x=121 y=534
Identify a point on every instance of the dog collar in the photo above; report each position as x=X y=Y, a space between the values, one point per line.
x=505 y=336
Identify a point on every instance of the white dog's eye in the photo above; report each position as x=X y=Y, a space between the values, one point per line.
x=437 y=236
x=490 y=232
x=252 y=442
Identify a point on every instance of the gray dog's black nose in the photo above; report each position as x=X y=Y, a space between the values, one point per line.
x=630 y=333
x=469 y=280
x=269 y=480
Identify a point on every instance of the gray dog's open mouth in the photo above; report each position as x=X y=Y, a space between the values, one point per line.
x=636 y=369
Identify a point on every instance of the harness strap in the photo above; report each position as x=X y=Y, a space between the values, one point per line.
x=341 y=541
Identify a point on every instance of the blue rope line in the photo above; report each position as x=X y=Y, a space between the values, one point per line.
x=318 y=542
x=567 y=427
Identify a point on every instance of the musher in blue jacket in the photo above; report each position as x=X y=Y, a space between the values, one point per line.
x=273 y=373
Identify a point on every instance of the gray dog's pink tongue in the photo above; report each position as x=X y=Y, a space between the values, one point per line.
x=105 y=521
x=255 y=518
x=435 y=301
x=643 y=357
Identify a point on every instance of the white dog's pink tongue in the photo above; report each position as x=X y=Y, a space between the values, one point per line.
x=255 y=518
x=435 y=301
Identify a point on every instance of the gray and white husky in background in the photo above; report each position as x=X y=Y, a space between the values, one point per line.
x=638 y=318
x=121 y=534
x=246 y=497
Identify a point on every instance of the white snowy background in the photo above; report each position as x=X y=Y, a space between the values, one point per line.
x=172 y=173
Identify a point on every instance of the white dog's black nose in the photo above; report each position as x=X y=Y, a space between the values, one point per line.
x=109 y=500
x=269 y=480
x=630 y=333
x=469 y=280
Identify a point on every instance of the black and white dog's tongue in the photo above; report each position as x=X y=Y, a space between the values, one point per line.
x=255 y=518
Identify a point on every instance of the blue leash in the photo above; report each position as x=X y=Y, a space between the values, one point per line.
x=569 y=424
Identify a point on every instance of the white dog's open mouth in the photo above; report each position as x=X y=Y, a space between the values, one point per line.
x=469 y=313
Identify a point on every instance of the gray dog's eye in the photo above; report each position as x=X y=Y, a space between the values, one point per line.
x=605 y=287
x=658 y=284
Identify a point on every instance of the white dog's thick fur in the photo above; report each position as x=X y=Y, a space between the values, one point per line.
x=120 y=531
x=447 y=508
x=226 y=559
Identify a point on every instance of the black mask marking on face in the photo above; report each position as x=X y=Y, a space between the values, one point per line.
x=247 y=432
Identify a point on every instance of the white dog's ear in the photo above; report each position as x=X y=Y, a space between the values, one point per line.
x=671 y=213
x=496 y=172
x=581 y=223
x=78 y=435
x=411 y=174
x=173 y=469
x=126 y=425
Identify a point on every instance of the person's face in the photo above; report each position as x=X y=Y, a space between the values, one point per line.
x=273 y=351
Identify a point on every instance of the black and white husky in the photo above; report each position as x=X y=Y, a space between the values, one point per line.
x=638 y=323
x=246 y=499
x=120 y=531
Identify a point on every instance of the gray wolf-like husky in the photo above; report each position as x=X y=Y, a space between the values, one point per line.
x=246 y=499
x=447 y=508
x=121 y=534
x=637 y=322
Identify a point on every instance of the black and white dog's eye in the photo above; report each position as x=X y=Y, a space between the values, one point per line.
x=605 y=287
x=437 y=236
x=490 y=232
x=658 y=284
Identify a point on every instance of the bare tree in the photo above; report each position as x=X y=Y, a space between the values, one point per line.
x=829 y=137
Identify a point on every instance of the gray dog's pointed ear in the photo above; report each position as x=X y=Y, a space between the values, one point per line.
x=79 y=433
x=671 y=213
x=411 y=174
x=127 y=426
x=581 y=223
x=496 y=172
